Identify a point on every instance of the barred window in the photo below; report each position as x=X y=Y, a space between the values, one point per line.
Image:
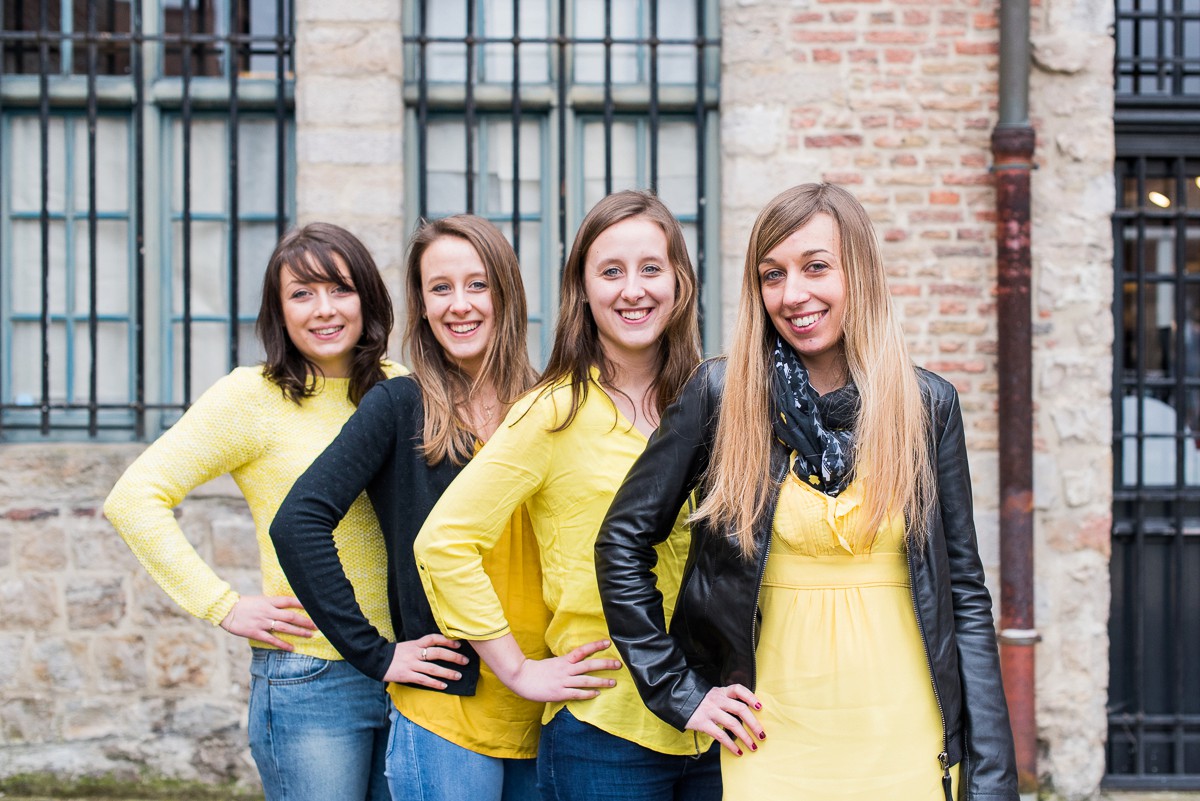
x=146 y=156
x=527 y=112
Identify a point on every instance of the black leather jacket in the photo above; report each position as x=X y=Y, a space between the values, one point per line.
x=714 y=630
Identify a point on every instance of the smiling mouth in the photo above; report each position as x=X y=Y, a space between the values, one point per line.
x=327 y=332
x=806 y=320
x=463 y=328
x=634 y=315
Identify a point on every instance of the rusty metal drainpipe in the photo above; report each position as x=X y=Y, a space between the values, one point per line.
x=1012 y=151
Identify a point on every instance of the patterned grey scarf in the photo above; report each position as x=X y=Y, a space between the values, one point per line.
x=819 y=428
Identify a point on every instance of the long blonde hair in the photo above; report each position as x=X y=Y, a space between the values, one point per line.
x=892 y=426
x=506 y=367
x=577 y=340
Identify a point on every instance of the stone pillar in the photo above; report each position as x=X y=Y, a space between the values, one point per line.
x=1071 y=102
x=349 y=125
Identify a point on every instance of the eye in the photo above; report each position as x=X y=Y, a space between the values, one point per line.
x=817 y=266
x=652 y=268
x=439 y=289
x=298 y=293
x=771 y=274
x=344 y=289
x=478 y=286
x=611 y=272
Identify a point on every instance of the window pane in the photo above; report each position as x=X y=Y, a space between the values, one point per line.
x=210 y=357
x=256 y=161
x=112 y=268
x=626 y=22
x=26 y=285
x=446 y=168
x=24 y=156
x=499 y=166
x=209 y=284
x=256 y=241
x=27 y=372
x=208 y=184
x=497 y=20
x=112 y=374
x=677 y=166
x=112 y=165
x=625 y=160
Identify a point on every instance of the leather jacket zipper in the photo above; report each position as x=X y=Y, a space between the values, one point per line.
x=944 y=757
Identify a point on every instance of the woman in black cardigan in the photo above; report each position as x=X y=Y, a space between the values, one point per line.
x=457 y=732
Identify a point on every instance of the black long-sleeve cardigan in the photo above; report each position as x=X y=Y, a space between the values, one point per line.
x=378 y=450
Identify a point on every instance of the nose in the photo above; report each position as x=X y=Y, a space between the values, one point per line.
x=633 y=290
x=325 y=306
x=460 y=304
x=795 y=290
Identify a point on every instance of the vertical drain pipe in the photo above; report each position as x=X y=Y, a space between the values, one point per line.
x=1012 y=152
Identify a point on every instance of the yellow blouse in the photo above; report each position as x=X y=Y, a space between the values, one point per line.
x=494 y=721
x=244 y=426
x=566 y=481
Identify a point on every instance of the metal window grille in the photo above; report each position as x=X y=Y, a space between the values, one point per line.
x=1154 y=629
x=1158 y=48
x=145 y=173
x=529 y=111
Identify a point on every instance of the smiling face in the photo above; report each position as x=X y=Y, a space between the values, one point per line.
x=630 y=286
x=458 y=301
x=323 y=319
x=803 y=287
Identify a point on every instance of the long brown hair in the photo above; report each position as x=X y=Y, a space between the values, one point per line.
x=577 y=345
x=892 y=428
x=506 y=367
x=313 y=253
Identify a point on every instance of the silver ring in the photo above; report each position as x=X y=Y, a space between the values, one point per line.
x=271 y=626
x=424 y=652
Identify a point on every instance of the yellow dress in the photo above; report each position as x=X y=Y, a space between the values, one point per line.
x=848 y=702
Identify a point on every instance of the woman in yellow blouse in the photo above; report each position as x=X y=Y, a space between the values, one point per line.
x=626 y=340
x=457 y=731
x=318 y=727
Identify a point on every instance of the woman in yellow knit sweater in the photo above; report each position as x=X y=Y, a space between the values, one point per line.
x=318 y=727
x=626 y=339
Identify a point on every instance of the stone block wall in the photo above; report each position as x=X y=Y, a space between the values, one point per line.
x=100 y=672
x=896 y=101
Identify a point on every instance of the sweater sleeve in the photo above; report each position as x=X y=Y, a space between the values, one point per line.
x=471 y=516
x=219 y=433
x=303 y=531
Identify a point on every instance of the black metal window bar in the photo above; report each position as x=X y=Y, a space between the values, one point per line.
x=1154 y=629
x=527 y=112
x=145 y=172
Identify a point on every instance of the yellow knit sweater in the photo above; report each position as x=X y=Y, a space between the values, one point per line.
x=244 y=426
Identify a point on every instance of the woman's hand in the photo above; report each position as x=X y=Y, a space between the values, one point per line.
x=726 y=711
x=563 y=678
x=559 y=678
x=261 y=617
x=415 y=662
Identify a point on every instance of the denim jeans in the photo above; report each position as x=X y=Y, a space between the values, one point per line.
x=318 y=729
x=421 y=766
x=579 y=762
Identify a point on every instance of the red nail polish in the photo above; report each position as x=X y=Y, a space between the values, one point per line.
x=753 y=747
x=739 y=752
x=762 y=736
x=758 y=706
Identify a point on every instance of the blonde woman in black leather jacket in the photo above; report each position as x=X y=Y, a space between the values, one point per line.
x=834 y=597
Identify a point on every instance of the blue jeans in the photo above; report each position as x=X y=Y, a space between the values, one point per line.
x=421 y=766
x=579 y=762
x=318 y=729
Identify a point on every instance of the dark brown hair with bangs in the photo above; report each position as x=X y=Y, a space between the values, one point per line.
x=313 y=253
x=444 y=386
x=577 y=345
